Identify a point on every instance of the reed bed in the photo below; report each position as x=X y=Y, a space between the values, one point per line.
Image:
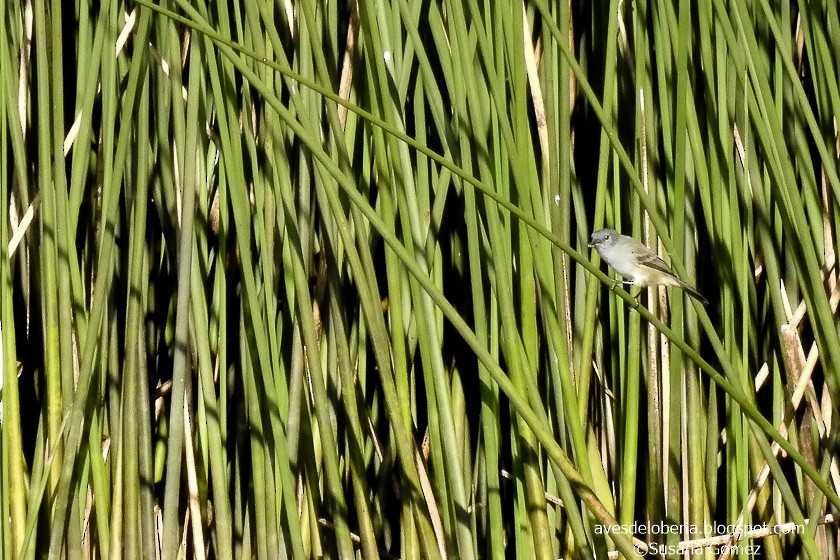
x=311 y=279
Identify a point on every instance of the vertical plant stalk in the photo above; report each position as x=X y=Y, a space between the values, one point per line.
x=181 y=365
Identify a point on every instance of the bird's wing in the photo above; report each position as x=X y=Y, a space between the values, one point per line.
x=650 y=259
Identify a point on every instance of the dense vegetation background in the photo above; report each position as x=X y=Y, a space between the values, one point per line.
x=310 y=279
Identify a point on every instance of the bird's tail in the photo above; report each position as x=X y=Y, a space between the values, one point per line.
x=690 y=290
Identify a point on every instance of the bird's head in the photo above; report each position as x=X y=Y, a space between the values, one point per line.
x=603 y=238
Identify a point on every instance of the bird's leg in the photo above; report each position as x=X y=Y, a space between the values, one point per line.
x=616 y=283
x=638 y=297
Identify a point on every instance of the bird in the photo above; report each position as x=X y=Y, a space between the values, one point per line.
x=636 y=263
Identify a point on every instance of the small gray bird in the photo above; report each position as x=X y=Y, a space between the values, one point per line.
x=636 y=263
